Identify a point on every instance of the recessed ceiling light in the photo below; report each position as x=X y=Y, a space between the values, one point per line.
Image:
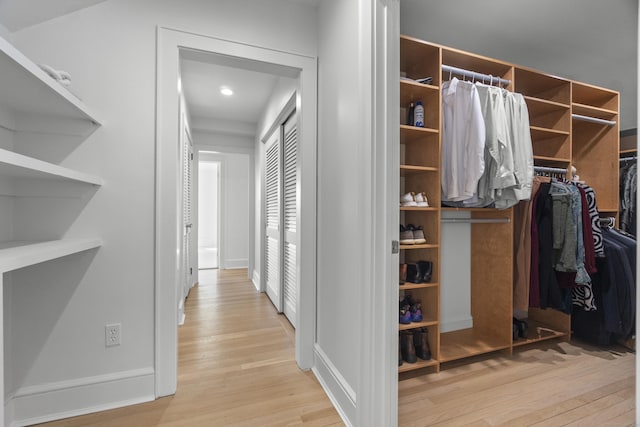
x=226 y=91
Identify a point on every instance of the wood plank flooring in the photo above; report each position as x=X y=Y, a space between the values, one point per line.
x=236 y=368
x=554 y=383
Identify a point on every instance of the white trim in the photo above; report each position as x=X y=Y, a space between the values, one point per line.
x=231 y=264
x=379 y=52
x=335 y=386
x=284 y=114
x=256 y=280
x=167 y=247
x=63 y=399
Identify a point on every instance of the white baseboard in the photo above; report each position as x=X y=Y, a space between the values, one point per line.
x=64 y=399
x=230 y=264
x=256 y=280
x=338 y=390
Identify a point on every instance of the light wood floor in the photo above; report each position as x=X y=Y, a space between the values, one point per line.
x=236 y=368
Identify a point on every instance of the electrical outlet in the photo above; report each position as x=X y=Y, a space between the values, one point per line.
x=112 y=334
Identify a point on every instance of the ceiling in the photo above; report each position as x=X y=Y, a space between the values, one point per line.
x=18 y=14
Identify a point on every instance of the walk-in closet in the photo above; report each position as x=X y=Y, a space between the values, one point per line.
x=479 y=292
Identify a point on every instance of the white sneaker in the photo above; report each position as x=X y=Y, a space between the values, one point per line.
x=408 y=200
x=421 y=200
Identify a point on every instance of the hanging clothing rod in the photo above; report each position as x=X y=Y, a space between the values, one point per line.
x=474 y=75
x=476 y=220
x=593 y=120
x=546 y=169
x=628 y=159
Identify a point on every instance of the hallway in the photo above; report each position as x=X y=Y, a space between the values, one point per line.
x=236 y=367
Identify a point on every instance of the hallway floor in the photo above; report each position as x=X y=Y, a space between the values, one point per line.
x=236 y=367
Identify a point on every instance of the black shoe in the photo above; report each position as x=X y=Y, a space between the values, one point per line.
x=522 y=327
x=426 y=270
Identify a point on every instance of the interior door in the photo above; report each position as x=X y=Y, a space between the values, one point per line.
x=187 y=217
x=273 y=207
x=290 y=213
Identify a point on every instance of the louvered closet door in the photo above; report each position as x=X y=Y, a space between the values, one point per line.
x=273 y=216
x=290 y=212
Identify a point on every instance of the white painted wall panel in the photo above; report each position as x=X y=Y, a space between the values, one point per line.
x=109 y=49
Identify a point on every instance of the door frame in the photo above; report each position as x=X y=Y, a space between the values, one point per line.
x=167 y=209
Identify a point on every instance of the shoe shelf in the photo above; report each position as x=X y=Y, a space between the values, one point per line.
x=539 y=332
x=406 y=366
x=414 y=247
x=409 y=286
x=469 y=342
x=415 y=325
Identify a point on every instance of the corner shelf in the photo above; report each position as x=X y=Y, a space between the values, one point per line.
x=18 y=165
x=406 y=367
x=17 y=254
x=28 y=89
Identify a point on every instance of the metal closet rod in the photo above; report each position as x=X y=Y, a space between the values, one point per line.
x=593 y=120
x=474 y=75
x=476 y=220
x=547 y=169
x=628 y=159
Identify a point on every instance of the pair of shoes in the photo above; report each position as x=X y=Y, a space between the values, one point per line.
x=412 y=199
x=520 y=329
x=411 y=235
x=403 y=273
x=418 y=272
x=414 y=344
x=410 y=310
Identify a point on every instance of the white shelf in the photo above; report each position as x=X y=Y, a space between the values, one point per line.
x=14 y=255
x=18 y=165
x=28 y=94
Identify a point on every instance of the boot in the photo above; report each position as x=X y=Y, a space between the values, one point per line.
x=523 y=327
x=414 y=273
x=426 y=270
x=408 y=349
x=421 y=343
x=403 y=273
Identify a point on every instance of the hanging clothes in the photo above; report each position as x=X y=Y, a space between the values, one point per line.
x=628 y=203
x=463 y=136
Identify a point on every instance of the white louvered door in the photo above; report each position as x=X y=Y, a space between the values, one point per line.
x=273 y=207
x=290 y=212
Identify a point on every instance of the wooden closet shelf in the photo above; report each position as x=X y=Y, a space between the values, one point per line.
x=589 y=110
x=419 y=208
x=468 y=342
x=413 y=132
x=535 y=335
x=412 y=83
x=540 y=133
x=544 y=104
x=409 y=286
x=554 y=160
x=416 y=325
x=412 y=170
x=412 y=247
x=406 y=367
x=629 y=151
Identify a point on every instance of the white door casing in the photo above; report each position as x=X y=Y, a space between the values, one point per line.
x=168 y=229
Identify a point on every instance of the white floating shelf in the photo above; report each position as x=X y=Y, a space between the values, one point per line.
x=18 y=165
x=26 y=91
x=14 y=255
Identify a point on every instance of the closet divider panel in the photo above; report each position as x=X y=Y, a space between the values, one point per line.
x=548 y=100
x=595 y=146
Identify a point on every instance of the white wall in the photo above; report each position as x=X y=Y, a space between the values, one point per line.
x=591 y=41
x=208 y=204
x=109 y=49
x=4 y=33
x=340 y=207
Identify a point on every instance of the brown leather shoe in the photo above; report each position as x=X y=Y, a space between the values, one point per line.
x=403 y=273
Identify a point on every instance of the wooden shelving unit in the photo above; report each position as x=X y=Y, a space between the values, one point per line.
x=560 y=138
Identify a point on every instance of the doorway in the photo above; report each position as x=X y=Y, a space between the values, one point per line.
x=168 y=189
x=208 y=215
